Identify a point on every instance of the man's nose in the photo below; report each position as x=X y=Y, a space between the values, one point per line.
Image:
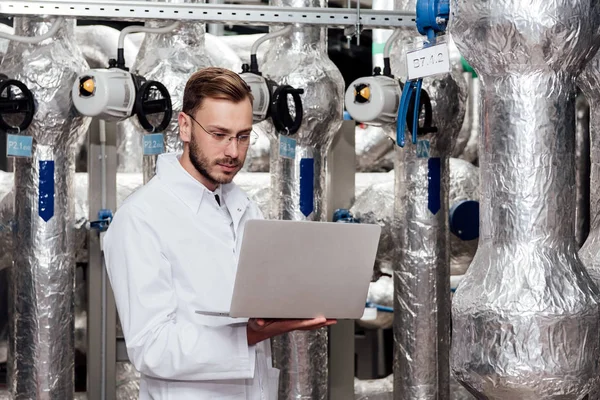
x=231 y=150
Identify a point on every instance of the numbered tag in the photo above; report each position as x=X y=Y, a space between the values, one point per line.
x=423 y=147
x=429 y=61
x=287 y=147
x=19 y=146
x=154 y=144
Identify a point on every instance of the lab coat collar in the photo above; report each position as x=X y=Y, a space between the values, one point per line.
x=192 y=192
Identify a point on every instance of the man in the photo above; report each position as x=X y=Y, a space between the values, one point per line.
x=172 y=249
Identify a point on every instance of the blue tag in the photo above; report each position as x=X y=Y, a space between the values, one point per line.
x=307 y=186
x=287 y=147
x=423 y=149
x=154 y=144
x=19 y=146
x=434 y=177
x=46 y=196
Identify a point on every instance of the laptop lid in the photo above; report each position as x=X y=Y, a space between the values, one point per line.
x=302 y=269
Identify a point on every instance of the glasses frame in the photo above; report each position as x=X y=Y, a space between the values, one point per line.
x=252 y=136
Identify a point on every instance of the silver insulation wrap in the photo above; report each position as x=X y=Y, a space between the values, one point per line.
x=525 y=316
x=169 y=58
x=298 y=178
x=589 y=82
x=582 y=168
x=41 y=300
x=421 y=236
x=373 y=146
x=374 y=389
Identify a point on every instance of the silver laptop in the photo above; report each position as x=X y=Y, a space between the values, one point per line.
x=298 y=269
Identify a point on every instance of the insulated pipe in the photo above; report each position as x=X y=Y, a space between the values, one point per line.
x=420 y=224
x=582 y=163
x=298 y=177
x=169 y=58
x=41 y=325
x=525 y=317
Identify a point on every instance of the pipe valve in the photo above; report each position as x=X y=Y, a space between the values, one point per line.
x=271 y=100
x=15 y=99
x=373 y=100
x=114 y=94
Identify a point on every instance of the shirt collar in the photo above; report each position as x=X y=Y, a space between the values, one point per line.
x=189 y=190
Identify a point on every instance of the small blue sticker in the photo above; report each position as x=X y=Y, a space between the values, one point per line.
x=154 y=144
x=46 y=196
x=19 y=146
x=423 y=149
x=434 y=176
x=307 y=186
x=287 y=147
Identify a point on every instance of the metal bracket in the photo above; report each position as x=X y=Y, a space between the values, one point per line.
x=238 y=14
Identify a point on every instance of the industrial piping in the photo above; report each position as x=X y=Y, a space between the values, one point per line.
x=298 y=178
x=422 y=263
x=41 y=300
x=525 y=317
x=169 y=58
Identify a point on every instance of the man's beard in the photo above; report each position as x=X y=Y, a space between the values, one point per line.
x=202 y=164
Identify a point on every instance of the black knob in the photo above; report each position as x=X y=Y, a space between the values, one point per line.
x=377 y=71
x=15 y=98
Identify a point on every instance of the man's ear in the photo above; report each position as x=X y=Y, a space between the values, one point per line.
x=185 y=128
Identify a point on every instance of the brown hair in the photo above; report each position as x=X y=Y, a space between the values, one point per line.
x=214 y=83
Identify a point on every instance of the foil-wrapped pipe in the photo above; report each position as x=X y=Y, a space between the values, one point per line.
x=421 y=232
x=98 y=43
x=590 y=251
x=582 y=168
x=41 y=324
x=374 y=389
x=298 y=177
x=373 y=147
x=525 y=316
x=169 y=58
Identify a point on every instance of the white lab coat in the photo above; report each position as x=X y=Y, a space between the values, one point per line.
x=170 y=251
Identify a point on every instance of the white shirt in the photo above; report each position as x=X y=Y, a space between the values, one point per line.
x=171 y=250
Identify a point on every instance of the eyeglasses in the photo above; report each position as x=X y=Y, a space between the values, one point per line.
x=224 y=140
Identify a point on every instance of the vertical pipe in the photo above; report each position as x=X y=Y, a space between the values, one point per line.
x=41 y=299
x=420 y=224
x=525 y=316
x=298 y=178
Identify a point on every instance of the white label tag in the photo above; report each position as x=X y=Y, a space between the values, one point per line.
x=429 y=61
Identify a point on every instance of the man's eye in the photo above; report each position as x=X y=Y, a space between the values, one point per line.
x=219 y=135
x=243 y=138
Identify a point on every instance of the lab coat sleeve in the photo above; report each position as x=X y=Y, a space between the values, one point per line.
x=160 y=342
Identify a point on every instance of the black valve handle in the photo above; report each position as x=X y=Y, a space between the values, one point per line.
x=144 y=106
x=11 y=103
x=425 y=105
x=280 y=110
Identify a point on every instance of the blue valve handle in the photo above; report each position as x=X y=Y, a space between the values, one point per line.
x=409 y=88
x=104 y=219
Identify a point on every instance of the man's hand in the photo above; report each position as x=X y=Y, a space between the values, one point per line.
x=263 y=329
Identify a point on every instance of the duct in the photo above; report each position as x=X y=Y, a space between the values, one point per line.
x=470 y=151
x=373 y=147
x=421 y=235
x=170 y=59
x=298 y=185
x=590 y=251
x=582 y=168
x=4 y=42
x=525 y=316
x=41 y=332
x=374 y=389
x=220 y=54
